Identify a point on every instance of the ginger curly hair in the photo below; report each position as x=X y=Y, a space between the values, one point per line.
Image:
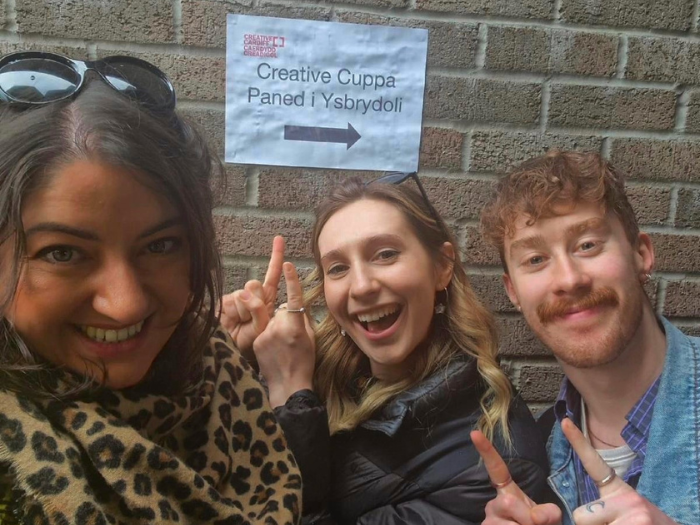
x=535 y=187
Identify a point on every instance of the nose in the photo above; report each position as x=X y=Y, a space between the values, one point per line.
x=120 y=293
x=570 y=276
x=362 y=282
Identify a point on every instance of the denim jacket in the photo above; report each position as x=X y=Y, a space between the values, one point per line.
x=670 y=476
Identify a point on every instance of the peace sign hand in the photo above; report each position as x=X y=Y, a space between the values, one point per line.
x=286 y=349
x=246 y=313
x=511 y=506
x=619 y=504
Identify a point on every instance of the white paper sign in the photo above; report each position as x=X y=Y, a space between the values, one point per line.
x=324 y=94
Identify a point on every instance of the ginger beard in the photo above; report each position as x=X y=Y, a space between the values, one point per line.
x=602 y=339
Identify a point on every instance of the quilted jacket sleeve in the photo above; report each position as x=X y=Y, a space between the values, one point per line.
x=305 y=424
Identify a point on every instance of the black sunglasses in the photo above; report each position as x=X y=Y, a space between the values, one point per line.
x=33 y=78
x=397 y=177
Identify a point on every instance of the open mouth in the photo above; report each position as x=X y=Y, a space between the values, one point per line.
x=380 y=319
x=111 y=336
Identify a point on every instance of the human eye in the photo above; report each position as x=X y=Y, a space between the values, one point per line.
x=387 y=254
x=164 y=246
x=533 y=261
x=335 y=270
x=59 y=254
x=589 y=246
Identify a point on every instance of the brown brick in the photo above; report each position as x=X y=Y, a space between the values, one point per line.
x=612 y=108
x=252 y=236
x=374 y=3
x=300 y=189
x=546 y=51
x=450 y=44
x=490 y=289
x=479 y=100
x=540 y=382
x=441 y=148
x=682 y=299
x=211 y=123
x=669 y=14
x=651 y=204
x=691 y=330
x=476 y=251
x=118 y=20
x=235 y=278
x=663 y=59
x=520 y=9
x=688 y=208
x=231 y=191
x=692 y=123
x=657 y=159
x=517 y=340
x=499 y=151
x=76 y=52
x=458 y=198
x=194 y=77
x=204 y=21
x=676 y=253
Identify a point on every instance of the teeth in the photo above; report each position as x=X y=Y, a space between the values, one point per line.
x=368 y=317
x=111 y=336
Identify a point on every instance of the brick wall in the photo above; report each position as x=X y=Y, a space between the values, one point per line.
x=507 y=79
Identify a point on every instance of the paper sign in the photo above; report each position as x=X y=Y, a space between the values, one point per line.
x=324 y=94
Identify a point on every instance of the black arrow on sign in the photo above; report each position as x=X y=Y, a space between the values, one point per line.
x=317 y=134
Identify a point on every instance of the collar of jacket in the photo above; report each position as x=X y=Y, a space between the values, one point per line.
x=460 y=374
x=671 y=475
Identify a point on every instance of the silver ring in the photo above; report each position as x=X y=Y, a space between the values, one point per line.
x=290 y=310
x=607 y=479
x=502 y=484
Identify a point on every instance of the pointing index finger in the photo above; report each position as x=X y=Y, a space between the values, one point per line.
x=274 y=269
x=596 y=467
x=495 y=466
x=295 y=294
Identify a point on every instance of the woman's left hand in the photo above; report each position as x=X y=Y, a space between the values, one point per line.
x=286 y=349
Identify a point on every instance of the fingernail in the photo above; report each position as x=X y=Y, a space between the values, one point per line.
x=245 y=295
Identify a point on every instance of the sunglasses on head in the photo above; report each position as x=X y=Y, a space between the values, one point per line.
x=34 y=78
x=397 y=177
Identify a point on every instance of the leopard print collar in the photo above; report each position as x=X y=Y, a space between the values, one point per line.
x=214 y=455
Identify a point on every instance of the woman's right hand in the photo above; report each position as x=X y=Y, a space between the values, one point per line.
x=286 y=350
x=246 y=313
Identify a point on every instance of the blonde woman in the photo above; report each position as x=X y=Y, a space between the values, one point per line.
x=379 y=416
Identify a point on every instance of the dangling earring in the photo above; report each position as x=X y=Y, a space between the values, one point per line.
x=440 y=307
x=647 y=278
x=343 y=332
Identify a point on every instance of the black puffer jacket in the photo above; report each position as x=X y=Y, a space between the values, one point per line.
x=414 y=462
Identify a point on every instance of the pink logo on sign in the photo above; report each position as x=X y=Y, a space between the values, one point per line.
x=262 y=45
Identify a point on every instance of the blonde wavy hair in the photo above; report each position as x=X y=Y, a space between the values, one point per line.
x=466 y=328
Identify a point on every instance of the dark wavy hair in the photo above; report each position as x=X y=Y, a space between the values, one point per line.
x=169 y=156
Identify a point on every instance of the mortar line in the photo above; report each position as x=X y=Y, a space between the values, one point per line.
x=178 y=30
x=545 y=96
x=696 y=13
x=11 y=16
x=622 y=56
x=681 y=117
x=482 y=42
x=673 y=206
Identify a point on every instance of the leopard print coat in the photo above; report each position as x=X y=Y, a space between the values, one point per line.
x=214 y=455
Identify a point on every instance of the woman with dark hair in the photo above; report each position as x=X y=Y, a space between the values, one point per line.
x=120 y=399
x=379 y=417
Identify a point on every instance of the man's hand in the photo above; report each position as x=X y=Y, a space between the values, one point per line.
x=619 y=504
x=246 y=313
x=511 y=506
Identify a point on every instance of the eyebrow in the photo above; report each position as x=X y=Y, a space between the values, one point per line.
x=538 y=241
x=594 y=223
x=56 y=227
x=374 y=239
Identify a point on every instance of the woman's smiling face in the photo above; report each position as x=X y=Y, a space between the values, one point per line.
x=380 y=282
x=105 y=277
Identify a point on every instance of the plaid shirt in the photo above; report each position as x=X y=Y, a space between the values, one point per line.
x=635 y=434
